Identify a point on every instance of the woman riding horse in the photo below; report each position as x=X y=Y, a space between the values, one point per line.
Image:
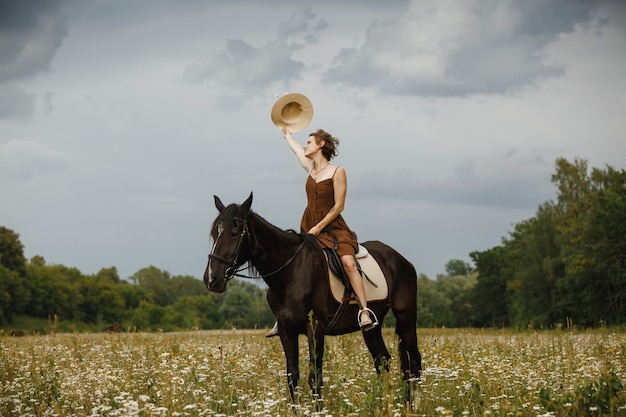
x=296 y=273
x=326 y=188
x=295 y=269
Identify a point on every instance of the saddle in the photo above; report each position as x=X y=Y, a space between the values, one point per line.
x=339 y=284
x=336 y=268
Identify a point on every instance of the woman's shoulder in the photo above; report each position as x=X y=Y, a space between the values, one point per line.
x=338 y=171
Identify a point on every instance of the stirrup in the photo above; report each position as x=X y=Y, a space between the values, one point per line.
x=273 y=331
x=367 y=326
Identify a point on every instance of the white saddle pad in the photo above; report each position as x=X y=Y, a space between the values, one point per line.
x=374 y=273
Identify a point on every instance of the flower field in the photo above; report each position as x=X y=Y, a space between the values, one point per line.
x=241 y=373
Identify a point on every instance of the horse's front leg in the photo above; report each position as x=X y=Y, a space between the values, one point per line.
x=290 y=347
x=315 y=335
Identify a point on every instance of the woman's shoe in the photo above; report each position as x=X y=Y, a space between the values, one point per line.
x=273 y=331
x=365 y=322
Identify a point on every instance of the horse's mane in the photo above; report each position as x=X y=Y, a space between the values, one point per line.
x=287 y=233
x=229 y=214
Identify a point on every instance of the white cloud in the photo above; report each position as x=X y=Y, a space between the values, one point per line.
x=241 y=69
x=446 y=48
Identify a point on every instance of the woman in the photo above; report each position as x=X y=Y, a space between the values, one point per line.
x=326 y=187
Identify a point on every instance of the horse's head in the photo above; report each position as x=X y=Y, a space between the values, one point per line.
x=231 y=244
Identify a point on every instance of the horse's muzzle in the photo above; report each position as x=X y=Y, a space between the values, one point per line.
x=219 y=286
x=213 y=282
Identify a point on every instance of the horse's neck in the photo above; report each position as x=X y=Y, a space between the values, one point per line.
x=273 y=247
x=270 y=241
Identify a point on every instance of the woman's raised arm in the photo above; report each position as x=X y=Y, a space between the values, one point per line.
x=298 y=150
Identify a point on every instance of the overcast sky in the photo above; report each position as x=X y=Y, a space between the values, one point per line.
x=119 y=120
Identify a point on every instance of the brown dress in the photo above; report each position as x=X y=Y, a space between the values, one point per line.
x=320 y=199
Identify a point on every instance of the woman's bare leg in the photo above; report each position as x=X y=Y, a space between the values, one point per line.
x=349 y=265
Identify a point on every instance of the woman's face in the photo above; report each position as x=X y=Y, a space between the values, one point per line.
x=312 y=146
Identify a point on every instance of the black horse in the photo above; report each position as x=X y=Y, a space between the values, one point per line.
x=296 y=272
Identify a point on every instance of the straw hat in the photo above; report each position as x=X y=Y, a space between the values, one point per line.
x=293 y=111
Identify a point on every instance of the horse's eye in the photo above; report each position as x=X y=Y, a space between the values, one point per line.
x=234 y=232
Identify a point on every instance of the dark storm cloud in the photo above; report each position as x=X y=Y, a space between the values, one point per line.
x=460 y=48
x=245 y=68
x=30 y=34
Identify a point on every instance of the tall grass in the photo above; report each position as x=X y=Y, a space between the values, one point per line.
x=241 y=373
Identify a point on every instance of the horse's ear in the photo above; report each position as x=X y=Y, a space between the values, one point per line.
x=218 y=204
x=247 y=204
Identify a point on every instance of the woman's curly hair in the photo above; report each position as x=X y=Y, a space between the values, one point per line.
x=331 y=143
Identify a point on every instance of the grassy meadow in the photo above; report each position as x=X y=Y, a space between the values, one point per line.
x=241 y=373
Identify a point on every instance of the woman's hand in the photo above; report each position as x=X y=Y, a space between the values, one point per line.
x=315 y=230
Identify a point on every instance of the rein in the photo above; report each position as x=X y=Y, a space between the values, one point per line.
x=234 y=270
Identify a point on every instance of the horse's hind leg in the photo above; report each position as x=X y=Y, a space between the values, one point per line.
x=376 y=346
x=410 y=357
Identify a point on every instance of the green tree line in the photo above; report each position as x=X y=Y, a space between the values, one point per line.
x=150 y=300
x=565 y=265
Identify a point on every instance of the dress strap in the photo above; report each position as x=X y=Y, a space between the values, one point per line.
x=336 y=168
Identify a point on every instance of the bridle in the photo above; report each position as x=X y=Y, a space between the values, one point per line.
x=233 y=270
